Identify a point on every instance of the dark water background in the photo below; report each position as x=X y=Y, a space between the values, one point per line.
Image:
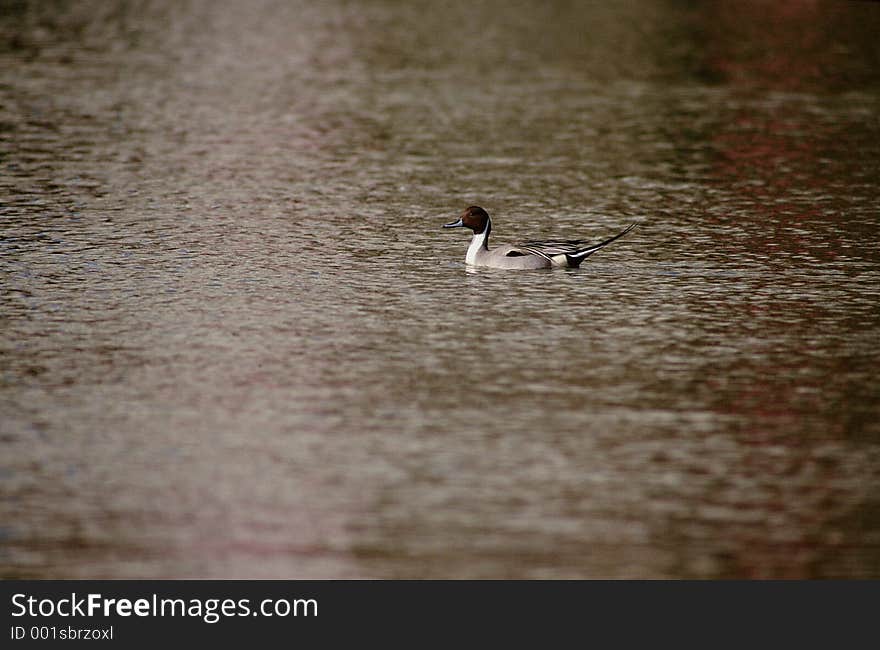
x=235 y=343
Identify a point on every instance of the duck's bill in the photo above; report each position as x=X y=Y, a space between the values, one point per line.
x=454 y=224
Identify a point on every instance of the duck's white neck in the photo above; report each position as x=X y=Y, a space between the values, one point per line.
x=479 y=241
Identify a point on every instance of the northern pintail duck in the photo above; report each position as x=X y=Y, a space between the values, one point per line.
x=528 y=255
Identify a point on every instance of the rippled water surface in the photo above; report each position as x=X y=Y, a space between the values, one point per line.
x=234 y=341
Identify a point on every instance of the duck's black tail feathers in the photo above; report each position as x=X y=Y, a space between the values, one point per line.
x=569 y=252
x=575 y=258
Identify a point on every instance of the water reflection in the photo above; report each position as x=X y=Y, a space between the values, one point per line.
x=788 y=46
x=235 y=342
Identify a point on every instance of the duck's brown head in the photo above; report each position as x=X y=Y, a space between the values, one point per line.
x=474 y=217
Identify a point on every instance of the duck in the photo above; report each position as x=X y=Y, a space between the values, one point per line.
x=544 y=254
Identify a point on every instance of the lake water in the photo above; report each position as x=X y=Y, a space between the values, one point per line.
x=236 y=343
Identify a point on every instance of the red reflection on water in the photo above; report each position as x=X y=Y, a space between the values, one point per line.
x=775 y=162
x=769 y=158
x=784 y=44
x=776 y=155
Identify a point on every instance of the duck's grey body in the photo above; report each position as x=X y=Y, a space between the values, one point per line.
x=505 y=256
x=529 y=255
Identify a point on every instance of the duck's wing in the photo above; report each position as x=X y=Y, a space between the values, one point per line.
x=524 y=250
x=508 y=256
x=518 y=250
